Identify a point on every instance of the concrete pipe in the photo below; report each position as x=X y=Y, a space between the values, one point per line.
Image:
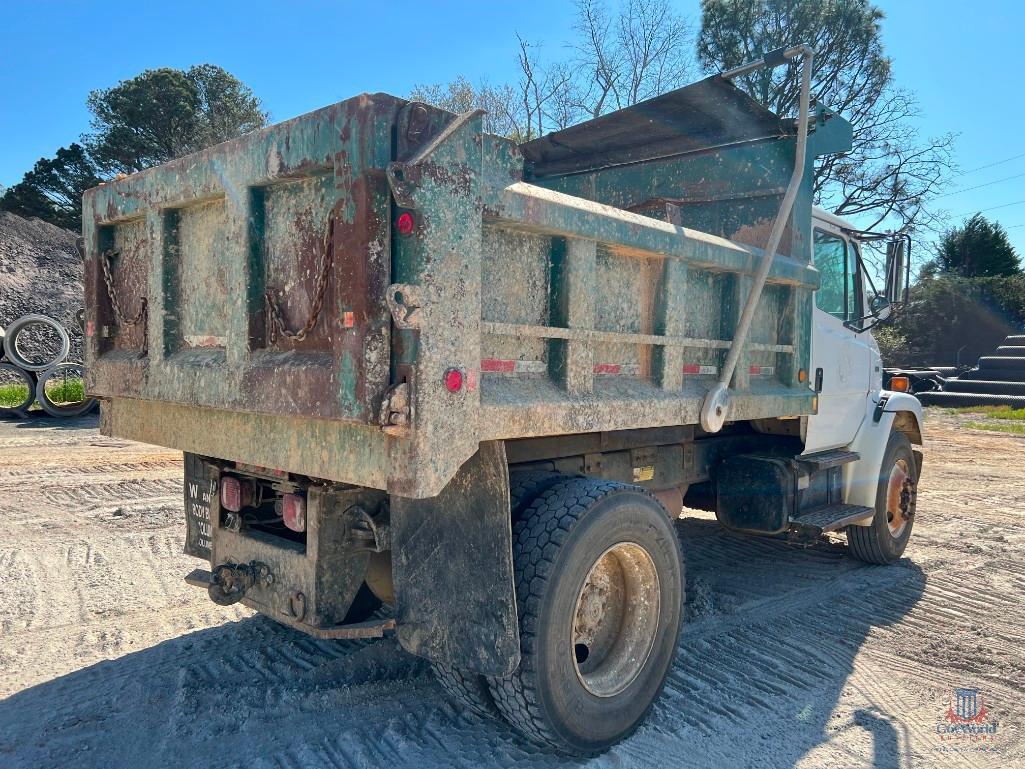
x=13 y=343
x=11 y=377
x=51 y=391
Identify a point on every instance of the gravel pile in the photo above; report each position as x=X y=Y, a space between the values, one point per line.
x=40 y=272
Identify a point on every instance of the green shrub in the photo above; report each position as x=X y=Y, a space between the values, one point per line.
x=892 y=344
x=71 y=390
x=13 y=395
x=59 y=391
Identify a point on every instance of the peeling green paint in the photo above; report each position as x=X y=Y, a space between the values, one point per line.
x=347 y=374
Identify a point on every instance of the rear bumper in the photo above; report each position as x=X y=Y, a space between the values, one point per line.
x=376 y=628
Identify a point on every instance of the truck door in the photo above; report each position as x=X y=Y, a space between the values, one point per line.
x=843 y=356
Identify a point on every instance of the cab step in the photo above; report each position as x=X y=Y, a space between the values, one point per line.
x=829 y=518
x=823 y=460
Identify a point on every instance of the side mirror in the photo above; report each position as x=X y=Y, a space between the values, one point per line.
x=896 y=272
x=880 y=307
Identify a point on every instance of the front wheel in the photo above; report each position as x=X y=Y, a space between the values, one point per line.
x=885 y=539
x=600 y=593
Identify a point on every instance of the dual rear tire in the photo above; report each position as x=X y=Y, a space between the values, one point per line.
x=599 y=587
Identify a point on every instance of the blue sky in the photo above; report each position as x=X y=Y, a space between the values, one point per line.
x=962 y=61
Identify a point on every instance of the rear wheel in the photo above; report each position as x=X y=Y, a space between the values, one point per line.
x=465 y=688
x=886 y=538
x=600 y=594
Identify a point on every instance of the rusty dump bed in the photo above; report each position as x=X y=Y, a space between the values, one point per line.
x=305 y=297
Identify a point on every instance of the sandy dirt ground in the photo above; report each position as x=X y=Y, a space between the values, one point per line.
x=790 y=656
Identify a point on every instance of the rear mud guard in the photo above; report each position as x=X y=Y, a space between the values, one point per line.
x=453 y=570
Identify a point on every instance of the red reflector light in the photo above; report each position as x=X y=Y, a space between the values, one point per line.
x=231 y=493
x=405 y=223
x=293 y=510
x=453 y=380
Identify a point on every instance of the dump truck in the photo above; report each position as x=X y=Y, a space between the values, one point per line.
x=434 y=384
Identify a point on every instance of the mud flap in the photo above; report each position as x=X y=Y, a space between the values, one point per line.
x=453 y=570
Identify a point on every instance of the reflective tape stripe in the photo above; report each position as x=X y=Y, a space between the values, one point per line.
x=494 y=365
x=507 y=366
x=696 y=368
x=630 y=369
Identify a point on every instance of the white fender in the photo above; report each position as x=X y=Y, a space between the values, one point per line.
x=901 y=412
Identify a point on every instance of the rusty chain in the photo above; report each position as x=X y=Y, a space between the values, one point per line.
x=112 y=294
x=277 y=320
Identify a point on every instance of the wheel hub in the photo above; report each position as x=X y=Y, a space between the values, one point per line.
x=900 y=498
x=616 y=619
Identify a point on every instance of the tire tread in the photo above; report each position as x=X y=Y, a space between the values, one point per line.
x=465 y=687
x=537 y=539
x=863 y=542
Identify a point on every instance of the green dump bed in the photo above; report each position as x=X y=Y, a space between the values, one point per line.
x=367 y=292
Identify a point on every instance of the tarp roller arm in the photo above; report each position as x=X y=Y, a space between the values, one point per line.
x=715 y=408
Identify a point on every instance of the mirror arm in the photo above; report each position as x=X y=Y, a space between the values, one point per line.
x=864 y=271
x=856 y=325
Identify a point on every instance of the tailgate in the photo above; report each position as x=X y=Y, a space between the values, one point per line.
x=250 y=276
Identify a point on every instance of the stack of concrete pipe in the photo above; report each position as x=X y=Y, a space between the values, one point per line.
x=37 y=371
x=997 y=380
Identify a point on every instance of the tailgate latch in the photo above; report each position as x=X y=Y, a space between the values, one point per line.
x=395 y=416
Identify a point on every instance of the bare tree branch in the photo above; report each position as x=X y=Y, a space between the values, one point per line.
x=640 y=52
x=891 y=172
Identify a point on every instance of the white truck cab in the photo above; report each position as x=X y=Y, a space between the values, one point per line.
x=854 y=412
x=845 y=361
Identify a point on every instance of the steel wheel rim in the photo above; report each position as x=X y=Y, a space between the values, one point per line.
x=899 y=498
x=615 y=620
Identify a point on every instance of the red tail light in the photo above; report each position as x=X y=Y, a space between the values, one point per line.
x=231 y=494
x=293 y=510
x=236 y=493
